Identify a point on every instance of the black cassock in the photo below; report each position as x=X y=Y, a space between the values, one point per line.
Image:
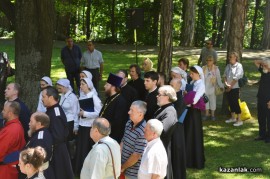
x=167 y=115
x=129 y=93
x=151 y=101
x=115 y=110
x=43 y=138
x=138 y=85
x=59 y=130
x=178 y=141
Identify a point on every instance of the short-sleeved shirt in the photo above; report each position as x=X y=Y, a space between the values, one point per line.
x=92 y=60
x=154 y=160
x=133 y=142
x=234 y=72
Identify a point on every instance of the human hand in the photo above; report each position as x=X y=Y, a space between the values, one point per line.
x=81 y=113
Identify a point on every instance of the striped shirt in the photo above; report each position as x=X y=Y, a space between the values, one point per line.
x=133 y=142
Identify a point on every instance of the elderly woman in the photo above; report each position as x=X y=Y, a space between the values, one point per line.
x=193 y=120
x=263 y=97
x=90 y=106
x=30 y=162
x=180 y=74
x=212 y=79
x=167 y=115
x=233 y=72
x=70 y=104
x=44 y=82
x=147 y=65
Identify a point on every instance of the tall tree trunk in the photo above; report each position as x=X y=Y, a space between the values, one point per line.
x=188 y=26
x=88 y=11
x=221 y=23
x=155 y=12
x=237 y=27
x=33 y=46
x=113 y=21
x=165 y=51
x=266 y=27
x=253 y=30
x=227 y=23
x=236 y=35
x=200 y=32
x=214 y=23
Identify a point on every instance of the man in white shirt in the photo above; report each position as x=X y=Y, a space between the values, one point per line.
x=92 y=61
x=154 y=160
x=104 y=155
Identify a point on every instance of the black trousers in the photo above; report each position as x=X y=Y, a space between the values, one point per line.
x=263 y=118
x=233 y=97
x=74 y=75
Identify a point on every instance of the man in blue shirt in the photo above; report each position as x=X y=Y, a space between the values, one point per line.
x=71 y=58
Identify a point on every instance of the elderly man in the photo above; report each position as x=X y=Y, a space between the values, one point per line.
x=208 y=50
x=12 y=94
x=59 y=130
x=263 y=97
x=11 y=140
x=92 y=61
x=154 y=160
x=133 y=142
x=41 y=136
x=167 y=115
x=115 y=108
x=104 y=159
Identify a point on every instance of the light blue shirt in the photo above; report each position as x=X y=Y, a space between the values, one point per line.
x=92 y=60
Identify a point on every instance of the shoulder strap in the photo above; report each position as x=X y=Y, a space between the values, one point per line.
x=111 y=156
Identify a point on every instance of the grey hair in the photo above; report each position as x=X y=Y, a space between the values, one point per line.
x=266 y=61
x=155 y=126
x=100 y=124
x=169 y=91
x=141 y=105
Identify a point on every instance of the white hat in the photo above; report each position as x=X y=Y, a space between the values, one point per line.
x=47 y=80
x=65 y=83
x=89 y=83
x=88 y=74
x=180 y=72
x=200 y=71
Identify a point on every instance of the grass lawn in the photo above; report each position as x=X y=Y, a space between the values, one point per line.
x=225 y=145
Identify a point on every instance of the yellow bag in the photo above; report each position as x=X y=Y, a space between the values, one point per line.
x=245 y=113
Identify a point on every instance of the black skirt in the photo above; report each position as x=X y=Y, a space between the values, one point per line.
x=194 y=139
x=178 y=152
x=84 y=145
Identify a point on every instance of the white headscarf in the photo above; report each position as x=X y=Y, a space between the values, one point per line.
x=90 y=85
x=88 y=74
x=47 y=80
x=179 y=71
x=65 y=83
x=200 y=71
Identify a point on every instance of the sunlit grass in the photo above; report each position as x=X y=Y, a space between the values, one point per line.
x=225 y=145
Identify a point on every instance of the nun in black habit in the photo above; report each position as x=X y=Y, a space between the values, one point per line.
x=167 y=115
x=193 y=121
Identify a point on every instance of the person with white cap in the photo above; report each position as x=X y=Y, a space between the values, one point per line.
x=70 y=104
x=180 y=74
x=90 y=106
x=193 y=120
x=44 y=82
x=87 y=74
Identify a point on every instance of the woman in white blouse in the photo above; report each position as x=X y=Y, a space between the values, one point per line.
x=70 y=104
x=233 y=72
x=90 y=106
x=212 y=79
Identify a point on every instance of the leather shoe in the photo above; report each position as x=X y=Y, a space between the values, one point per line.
x=259 y=138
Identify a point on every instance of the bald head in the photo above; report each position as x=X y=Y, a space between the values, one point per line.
x=176 y=84
x=102 y=125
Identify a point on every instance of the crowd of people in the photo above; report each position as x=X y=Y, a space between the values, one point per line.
x=147 y=127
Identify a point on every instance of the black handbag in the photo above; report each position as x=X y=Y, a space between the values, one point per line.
x=205 y=98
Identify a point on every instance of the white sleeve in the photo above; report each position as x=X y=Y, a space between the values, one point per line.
x=97 y=108
x=219 y=81
x=200 y=90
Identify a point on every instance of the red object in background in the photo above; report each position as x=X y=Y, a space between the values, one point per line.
x=122 y=176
